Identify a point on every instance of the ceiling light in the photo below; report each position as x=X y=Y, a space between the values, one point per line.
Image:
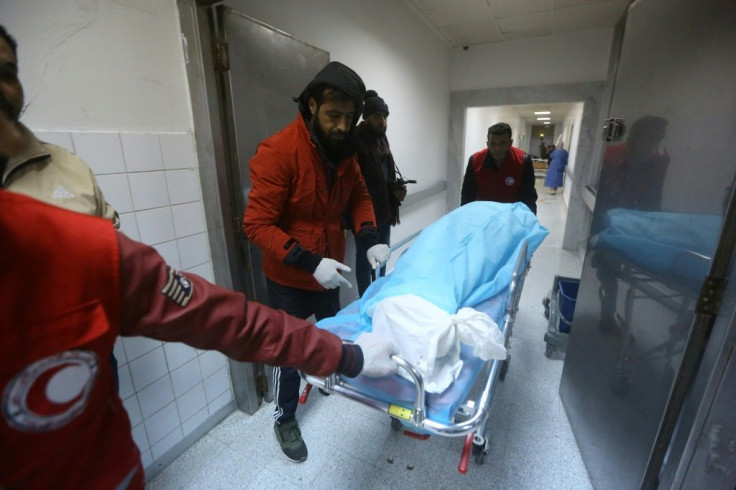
x=542 y=112
x=543 y=119
x=547 y=122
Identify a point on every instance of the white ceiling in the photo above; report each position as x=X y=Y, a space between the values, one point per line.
x=471 y=22
x=558 y=111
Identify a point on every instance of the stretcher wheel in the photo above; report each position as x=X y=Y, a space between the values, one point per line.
x=549 y=350
x=479 y=453
x=504 y=369
x=395 y=424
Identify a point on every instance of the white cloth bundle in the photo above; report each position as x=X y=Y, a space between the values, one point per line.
x=429 y=338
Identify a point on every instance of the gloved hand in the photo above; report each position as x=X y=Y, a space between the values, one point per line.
x=328 y=276
x=378 y=255
x=377 y=353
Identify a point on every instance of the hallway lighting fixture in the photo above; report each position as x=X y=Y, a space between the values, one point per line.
x=543 y=119
x=547 y=122
x=538 y=113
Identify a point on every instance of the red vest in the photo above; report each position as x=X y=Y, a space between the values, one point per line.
x=499 y=185
x=61 y=423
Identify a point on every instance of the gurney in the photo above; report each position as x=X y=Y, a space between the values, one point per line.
x=476 y=256
x=656 y=256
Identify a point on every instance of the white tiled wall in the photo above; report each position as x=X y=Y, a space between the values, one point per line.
x=152 y=180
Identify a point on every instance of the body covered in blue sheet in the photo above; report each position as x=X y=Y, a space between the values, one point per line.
x=461 y=259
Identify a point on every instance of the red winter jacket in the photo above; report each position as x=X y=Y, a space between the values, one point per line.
x=291 y=207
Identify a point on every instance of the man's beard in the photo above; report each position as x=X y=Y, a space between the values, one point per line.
x=337 y=150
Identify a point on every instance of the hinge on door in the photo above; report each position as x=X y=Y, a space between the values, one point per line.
x=710 y=297
x=222 y=57
x=238 y=228
x=613 y=130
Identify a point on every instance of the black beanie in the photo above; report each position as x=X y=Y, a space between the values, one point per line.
x=339 y=77
x=373 y=103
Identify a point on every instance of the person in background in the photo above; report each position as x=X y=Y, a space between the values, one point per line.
x=305 y=179
x=542 y=149
x=42 y=170
x=500 y=172
x=556 y=170
x=380 y=174
x=71 y=284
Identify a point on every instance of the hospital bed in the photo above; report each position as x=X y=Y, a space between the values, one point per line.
x=660 y=257
x=463 y=409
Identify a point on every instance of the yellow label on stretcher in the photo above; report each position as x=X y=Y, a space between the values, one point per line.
x=400 y=412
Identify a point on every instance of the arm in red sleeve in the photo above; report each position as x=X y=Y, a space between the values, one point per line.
x=164 y=304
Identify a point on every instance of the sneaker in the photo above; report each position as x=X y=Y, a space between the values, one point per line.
x=290 y=439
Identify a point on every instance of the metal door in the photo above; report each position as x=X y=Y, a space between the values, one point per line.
x=668 y=159
x=260 y=70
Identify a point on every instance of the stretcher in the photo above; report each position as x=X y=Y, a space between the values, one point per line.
x=491 y=283
x=660 y=257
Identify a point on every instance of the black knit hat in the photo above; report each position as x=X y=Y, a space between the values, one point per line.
x=339 y=77
x=373 y=103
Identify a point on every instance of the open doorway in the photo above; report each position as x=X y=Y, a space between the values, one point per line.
x=532 y=125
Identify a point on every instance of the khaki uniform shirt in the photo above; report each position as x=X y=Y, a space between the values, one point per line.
x=53 y=175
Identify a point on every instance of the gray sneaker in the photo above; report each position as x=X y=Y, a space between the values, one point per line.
x=290 y=439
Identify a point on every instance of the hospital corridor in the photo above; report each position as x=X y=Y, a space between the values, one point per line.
x=367 y=244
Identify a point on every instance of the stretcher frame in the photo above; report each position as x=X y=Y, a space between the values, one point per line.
x=472 y=416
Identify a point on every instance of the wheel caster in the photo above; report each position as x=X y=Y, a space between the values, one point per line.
x=479 y=453
x=504 y=369
x=396 y=424
x=548 y=351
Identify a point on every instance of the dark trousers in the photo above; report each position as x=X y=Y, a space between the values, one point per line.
x=364 y=273
x=302 y=304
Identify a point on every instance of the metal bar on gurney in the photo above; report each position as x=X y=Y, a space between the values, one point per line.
x=335 y=383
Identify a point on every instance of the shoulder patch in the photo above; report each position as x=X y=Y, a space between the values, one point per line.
x=178 y=288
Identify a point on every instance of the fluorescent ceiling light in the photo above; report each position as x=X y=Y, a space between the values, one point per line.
x=542 y=112
x=543 y=119
x=547 y=122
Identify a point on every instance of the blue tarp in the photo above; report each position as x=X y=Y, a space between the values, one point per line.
x=461 y=259
x=466 y=258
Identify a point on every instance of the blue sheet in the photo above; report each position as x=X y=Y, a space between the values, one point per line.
x=466 y=258
x=663 y=243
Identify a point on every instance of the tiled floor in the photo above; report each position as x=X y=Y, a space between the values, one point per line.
x=351 y=446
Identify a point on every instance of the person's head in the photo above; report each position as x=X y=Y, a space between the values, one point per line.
x=333 y=102
x=11 y=90
x=646 y=134
x=375 y=112
x=561 y=144
x=499 y=141
x=331 y=114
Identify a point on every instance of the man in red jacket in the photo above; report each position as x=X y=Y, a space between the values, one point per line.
x=70 y=284
x=500 y=172
x=305 y=179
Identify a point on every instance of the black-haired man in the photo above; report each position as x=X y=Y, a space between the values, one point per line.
x=379 y=171
x=305 y=178
x=500 y=172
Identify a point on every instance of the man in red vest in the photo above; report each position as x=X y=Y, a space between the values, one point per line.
x=500 y=172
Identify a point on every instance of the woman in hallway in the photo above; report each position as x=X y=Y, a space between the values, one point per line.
x=557 y=164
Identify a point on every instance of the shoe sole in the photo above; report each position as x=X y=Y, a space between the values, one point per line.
x=281 y=451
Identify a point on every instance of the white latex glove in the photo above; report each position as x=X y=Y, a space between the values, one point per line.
x=328 y=276
x=377 y=353
x=378 y=255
